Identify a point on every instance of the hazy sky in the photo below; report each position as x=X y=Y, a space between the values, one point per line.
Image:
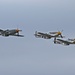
x=30 y=55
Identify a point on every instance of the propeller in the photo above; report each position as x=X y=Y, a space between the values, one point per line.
x=17 y=30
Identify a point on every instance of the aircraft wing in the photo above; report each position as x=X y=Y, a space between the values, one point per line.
x=18 y=35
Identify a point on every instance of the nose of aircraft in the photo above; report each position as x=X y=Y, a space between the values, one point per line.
x=17 y=30
x=58 y=33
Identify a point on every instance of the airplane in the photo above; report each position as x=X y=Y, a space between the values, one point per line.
x=63 y=42
x=13 y=32
x=46 y=35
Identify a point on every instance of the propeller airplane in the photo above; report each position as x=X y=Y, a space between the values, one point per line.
x=48 y=36
x=63 y=42
x=13 y=32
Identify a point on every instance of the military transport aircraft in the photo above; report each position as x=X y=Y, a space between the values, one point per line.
x=13 y=32
x=47 y=36
x=63 y=42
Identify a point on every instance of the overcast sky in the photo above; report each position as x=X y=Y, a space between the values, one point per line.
x=30 y=55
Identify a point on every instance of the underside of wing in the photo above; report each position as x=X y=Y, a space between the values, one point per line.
x=18 y=35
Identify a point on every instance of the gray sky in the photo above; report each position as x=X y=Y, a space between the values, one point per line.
x=29 y=55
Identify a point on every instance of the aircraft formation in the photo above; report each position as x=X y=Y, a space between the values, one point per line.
x=55 y=35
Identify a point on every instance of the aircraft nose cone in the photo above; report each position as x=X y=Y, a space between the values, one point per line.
x=59 y=33
x=17 y=30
